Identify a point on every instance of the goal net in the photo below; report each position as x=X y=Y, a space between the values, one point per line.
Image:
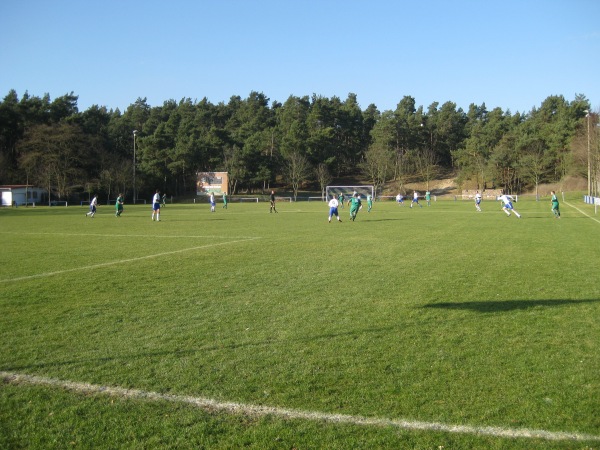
x=348 y=191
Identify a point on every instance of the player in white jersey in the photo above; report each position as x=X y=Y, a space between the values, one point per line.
x=93 y=205
x=156 y=206
x=212 y=202
x=333 y=208
x=478 y=201
x=508 y=206
x=415 y=199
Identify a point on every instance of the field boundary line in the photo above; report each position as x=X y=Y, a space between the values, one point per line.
x=123 y=261
x=582 y=212
x=283 y=413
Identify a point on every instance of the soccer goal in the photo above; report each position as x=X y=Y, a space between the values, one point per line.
x=348 y=191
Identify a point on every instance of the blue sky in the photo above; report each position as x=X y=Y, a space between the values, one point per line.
x=511 y=54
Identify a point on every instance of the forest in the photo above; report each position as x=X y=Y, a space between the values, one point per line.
x=304 y=143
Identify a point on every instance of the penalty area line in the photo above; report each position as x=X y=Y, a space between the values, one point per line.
x=124 y=261
x=290 y=414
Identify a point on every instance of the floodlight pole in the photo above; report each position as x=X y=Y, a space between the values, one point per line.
x=134 y=196
x=589 y=153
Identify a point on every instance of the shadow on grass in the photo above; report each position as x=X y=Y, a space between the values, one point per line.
x=494 y=306
x=384 y=220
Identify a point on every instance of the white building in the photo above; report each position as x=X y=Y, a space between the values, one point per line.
x=19 y=194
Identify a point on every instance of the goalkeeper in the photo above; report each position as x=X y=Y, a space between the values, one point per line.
x=355 y=206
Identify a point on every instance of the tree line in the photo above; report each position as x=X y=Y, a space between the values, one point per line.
x=303 y=141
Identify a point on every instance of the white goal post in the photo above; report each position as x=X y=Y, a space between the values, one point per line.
x=348 y=192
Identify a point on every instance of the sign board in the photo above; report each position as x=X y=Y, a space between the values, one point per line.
x=215 y=182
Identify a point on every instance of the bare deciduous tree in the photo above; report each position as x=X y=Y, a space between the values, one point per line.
x=297 y=169
x=323 y=177
x=426 y=165
x=378 y=165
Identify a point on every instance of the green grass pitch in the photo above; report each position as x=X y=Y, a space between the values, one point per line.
x=437 y=315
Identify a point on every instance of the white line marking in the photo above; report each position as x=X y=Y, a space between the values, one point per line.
x=582 y=212
x=258 y=410
x=122 y=261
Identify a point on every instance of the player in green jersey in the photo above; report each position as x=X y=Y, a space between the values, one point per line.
x=119 y=205
x=355 y=206
x=555 y=206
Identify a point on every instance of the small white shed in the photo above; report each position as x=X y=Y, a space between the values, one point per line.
x=19 y=194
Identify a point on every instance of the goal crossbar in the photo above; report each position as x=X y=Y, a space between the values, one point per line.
x=348 y=191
